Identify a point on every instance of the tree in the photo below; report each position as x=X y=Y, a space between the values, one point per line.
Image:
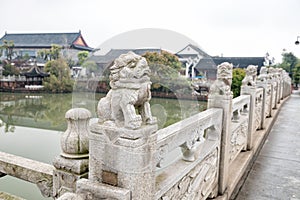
x=291 y=64
x=165 y=74
x=9 y=69
x=8 y=47
x=163 y=65
x=164 y=58
x=50 y=54
x=91 y=66
x=60 y=79
x=238 y=75
x=82 y=56
x=289 y=60
x=296 y=73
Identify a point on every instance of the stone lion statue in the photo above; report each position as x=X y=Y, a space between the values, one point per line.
x=130 y=91
x=271 y=73
x=250 y=78
x=222 y=86
x=263 y=74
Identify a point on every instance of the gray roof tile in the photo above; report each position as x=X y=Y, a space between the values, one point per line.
x=42 y=40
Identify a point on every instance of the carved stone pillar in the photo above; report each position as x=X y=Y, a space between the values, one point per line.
x=72 y=163
x=286 y=84
x=122 y=143
x=273 y=83
x=124 y=158
x=249 y=88
x=280 y=74
x=276 y=86
x=262 y=83
x=220 y=96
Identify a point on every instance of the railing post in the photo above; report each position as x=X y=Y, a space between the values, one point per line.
x=220 y=96
x=280 y=74
x=122 y=143
x=249 y=88
x=273 y=80
x=279 y=82
x=262 y=83
x=72 y=163
x=286 y=84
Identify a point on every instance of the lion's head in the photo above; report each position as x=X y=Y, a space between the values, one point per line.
x=251 y=70
x=129 y=68
x=263 y=70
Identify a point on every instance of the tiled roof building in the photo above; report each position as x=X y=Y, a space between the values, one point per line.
x=31 y=43
x=104 y=61
x=199 y=62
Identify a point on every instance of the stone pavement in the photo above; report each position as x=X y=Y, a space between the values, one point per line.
x=275 y=174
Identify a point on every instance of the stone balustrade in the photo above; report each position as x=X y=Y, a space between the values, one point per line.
x=239 y=126
x=29 y=170
x=126 y=157
x=192 y=174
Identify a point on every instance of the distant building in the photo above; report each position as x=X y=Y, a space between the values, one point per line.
x=35 y=76
x=104 y=61
x=241 y=62
x=30 y=43
x=198 y=63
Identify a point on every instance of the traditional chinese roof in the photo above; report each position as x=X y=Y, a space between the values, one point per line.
x=45 y=40
x=115 y=53
x=35 y=71
x=191 y=51
x=240 y=62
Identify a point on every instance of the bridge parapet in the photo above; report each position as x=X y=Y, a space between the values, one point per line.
x=124 y=156
x=239 y=126
x=194 y=173
x=28 y=170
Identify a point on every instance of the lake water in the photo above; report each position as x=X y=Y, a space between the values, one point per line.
x=31 y=125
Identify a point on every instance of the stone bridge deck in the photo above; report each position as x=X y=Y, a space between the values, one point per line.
x=275 y=174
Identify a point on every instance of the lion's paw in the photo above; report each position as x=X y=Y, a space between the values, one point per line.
x=135 y=123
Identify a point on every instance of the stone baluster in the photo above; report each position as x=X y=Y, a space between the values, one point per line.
x=279 y=74
x=287 y=84
x=262 y=82
x=279 y=82
x=220 y=96
x=72 y=163
x=249 y=88
x=272 y=82
x=122 y=143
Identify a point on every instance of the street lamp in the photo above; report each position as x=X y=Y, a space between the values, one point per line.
x=297 y=41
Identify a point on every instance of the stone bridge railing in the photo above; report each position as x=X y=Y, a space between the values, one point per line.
x=195 y=171
x=204 y=156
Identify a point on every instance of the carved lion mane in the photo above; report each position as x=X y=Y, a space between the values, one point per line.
x=130 y=83
x=224 y=77
x=250 y=78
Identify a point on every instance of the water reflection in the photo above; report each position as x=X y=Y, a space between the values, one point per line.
x=44 y=111
x=47 y=111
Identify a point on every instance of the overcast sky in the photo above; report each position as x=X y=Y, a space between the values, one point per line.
x=228 y=27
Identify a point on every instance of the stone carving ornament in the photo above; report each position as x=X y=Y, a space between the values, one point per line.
x=130 y=90
x=238 y=140
x=263 y=74
x=222 y=86
x=250 y=78
x=199 y=183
